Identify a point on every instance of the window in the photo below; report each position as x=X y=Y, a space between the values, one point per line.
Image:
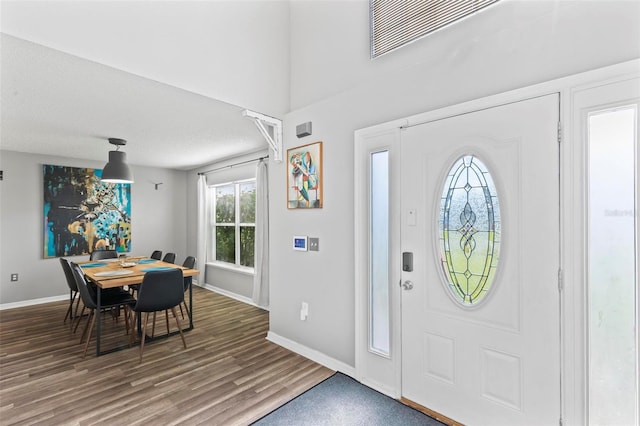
x=613 y=265
x=379 y=322
x=395 y=23
x=233 y=227
x=469 y=230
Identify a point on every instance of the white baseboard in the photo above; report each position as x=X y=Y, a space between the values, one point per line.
x=238 y=297
x=312 y=354
x=32 y=302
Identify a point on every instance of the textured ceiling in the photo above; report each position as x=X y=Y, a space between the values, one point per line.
x=54 y=103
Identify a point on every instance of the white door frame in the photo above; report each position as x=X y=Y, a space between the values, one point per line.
x=376 y=371
x=572 y=235
x=574 y=216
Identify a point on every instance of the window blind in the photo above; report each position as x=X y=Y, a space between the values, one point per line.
x=398 y=22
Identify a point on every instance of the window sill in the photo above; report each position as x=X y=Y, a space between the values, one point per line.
x=234 y=268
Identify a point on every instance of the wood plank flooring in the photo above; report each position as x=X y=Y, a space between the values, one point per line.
x=229 y=375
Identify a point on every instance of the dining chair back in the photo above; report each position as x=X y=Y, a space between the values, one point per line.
x=160 y=291
x=88 y=295
x=189 y=262
x=169 y=258
x=73 y=290
x=157 y=254
x=103 y=254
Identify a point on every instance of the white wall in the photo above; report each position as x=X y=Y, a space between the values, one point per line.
x=233 y=51
x=158 y=221
x=512 y=44
x=340 y=91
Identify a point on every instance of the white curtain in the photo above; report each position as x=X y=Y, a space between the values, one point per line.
x=203 y=231
x=261 y=259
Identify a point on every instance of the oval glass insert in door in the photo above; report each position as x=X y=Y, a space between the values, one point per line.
x=469 y=229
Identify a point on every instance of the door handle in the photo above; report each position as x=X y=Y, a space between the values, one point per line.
x=407 y=285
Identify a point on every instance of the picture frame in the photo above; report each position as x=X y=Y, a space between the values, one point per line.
x=82 y=213
x=304 y=176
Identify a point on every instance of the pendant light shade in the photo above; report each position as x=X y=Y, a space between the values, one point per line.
x=117 y=170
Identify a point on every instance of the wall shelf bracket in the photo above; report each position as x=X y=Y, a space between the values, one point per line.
x=271 y=130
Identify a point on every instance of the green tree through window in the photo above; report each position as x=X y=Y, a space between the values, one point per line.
x=234 y=227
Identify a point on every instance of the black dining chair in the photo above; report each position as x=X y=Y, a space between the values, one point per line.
x=73 y=291
x=89 y=298
x=169 y=258
x=157 y=255
x=103 y=254
x=159 y=291
x=190 y=263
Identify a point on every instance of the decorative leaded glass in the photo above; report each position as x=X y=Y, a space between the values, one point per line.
x=469 y=227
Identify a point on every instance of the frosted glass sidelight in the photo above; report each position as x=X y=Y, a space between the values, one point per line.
x=379 y=253
x=612 y=280
x=469 y=225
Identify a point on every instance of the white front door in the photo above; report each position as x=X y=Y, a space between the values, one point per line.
x=480 y=213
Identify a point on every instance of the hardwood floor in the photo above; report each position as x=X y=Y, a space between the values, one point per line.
x=229 y=375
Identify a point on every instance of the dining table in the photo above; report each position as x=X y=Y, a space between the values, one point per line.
x=127 y=271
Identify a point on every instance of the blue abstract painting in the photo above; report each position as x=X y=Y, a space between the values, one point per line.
x=83 y=214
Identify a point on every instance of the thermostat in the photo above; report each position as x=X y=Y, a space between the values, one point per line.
x=300 y=243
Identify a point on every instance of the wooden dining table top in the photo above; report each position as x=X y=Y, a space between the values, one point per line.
x=109 y=273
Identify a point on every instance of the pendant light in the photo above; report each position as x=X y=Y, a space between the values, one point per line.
x=117 y=170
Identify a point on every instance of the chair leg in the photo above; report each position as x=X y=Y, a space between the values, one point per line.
x=166 y=315
x=126 y=318
x=184 y=342
x=132 y=336
x=86 y=326
x=93 y=320
x=153 y=325
x=69 y=309
x=78 y=319
x=130 y=322
x=77 y=305
x=186 y=308
x=69 y=313
x=144 y=333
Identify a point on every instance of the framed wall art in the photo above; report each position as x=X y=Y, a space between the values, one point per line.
x=304 y=176
x=83 y=214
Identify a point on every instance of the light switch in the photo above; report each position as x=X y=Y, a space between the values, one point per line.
x=411 y=217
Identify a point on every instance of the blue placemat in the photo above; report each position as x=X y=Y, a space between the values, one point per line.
x=92 y=265
x=143 y=261
x=157 y=268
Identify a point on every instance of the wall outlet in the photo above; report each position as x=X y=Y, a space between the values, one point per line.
x=304 y=311
x=314 y=244
x=14 y=277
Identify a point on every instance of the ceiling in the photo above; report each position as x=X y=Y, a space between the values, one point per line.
x=54 y=103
